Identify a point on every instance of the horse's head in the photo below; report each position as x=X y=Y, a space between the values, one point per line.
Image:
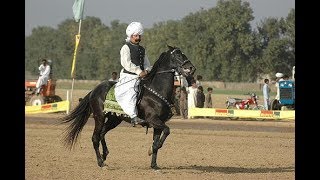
x=180 y=62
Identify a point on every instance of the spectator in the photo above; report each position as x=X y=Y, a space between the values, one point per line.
x=198 y=80
x=285 y=77
x=44 y=75
x=183 y=103
x=279 y=77
x=266 y=94
x=208 y=98
x=192 y=94
x=114 y=77
x=176 y=101
x=293 y=73
x=200 y=97
x=188 y=79
x=183 y=81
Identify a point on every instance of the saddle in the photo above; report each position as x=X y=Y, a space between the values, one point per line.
x=111 y=104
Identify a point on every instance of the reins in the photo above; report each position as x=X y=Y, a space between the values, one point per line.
x=126 y=81
x=167 y=71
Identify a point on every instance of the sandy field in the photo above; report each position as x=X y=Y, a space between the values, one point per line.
x=195 y=149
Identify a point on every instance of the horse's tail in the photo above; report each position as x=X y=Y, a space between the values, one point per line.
x=79 y=117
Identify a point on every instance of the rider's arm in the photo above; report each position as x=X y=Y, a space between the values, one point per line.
x=41 y=67
x=146 y=64
x=46 y=72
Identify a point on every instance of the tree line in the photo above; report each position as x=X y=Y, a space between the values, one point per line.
x=219 y=41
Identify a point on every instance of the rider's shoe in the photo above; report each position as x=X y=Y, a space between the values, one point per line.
x=136 y=120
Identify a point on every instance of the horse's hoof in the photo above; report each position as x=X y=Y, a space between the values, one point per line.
x=102 y=164
x=155 y=167
x=150 y=151
x=104 y=157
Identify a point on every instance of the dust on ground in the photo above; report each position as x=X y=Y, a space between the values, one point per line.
x=195 y=149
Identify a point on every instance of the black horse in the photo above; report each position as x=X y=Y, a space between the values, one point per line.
x=155 y=104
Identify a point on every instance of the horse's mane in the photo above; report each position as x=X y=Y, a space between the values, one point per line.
x=152 y=73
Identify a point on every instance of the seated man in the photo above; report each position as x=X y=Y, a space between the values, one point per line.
x=135 y=65
x=44 y=75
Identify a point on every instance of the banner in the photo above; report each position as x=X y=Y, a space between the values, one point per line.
x=77 y=9
x=241 y=113
x=48 y=108
x=74 y=56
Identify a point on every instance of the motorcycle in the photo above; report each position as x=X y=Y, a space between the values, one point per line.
x=251 y=103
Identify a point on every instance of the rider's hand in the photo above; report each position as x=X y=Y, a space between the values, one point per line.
x=143 y=74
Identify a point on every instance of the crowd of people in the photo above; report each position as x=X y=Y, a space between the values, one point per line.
x=191 y=94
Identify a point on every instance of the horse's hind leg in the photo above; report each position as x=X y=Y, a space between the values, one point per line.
x=96 y=136
x=112 y=122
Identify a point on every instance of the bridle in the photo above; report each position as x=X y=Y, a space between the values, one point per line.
x=178 y=67
x=173 y=70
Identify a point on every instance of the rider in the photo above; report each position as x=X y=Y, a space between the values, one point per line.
x=135 y=65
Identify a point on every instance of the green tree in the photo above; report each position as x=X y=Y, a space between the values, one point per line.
x=219 y=41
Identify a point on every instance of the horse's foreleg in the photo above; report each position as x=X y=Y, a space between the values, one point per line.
x=112 y=122
x=155 y=147
x=166 y=132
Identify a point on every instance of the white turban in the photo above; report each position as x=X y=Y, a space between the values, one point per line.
x=279 y=75
x=134 y=28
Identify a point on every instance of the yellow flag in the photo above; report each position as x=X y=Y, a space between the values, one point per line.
x=74 y=56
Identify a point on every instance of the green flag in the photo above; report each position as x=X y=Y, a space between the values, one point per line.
x=78 y=10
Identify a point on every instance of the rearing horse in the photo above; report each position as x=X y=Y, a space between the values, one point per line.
x=154 y=106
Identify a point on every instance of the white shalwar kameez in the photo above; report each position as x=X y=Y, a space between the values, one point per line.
x=44 y=76
x=192 y=97
x=126 y=88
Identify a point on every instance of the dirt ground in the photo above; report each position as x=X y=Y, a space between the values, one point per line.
x=195 y=149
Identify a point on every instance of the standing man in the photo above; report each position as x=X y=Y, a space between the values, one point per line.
x=208 y=101
x=200 y=97
x=266 y=94
x=183 y=103
x=279 y=77
x=135 y=65
x=198 y=80
x=44 y=69
x=192 y=95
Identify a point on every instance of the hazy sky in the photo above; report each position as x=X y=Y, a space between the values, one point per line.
x=53 y=12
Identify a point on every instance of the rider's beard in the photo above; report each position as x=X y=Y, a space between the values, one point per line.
x=137 y=40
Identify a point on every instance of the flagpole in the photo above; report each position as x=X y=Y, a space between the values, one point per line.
x=77 y=9
x=74 y=63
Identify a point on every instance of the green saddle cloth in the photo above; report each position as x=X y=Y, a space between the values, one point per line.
x=111 y=105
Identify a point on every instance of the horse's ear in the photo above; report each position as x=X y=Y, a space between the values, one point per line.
x=170 y=47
